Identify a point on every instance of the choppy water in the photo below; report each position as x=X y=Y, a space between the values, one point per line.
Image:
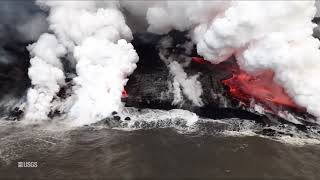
x=98 y=152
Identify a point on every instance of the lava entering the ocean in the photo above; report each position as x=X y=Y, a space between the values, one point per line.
x=261 y=88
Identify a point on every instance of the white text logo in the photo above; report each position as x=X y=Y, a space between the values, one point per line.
x=28 y=164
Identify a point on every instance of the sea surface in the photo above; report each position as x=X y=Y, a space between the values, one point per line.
x=99 y=152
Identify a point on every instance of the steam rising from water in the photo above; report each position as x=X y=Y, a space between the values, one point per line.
x=270 y=35
x=273 y=35
x=95 y=35
x=46 y=74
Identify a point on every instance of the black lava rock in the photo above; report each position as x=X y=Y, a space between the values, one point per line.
x=127 y=118
x=269 y=132
x=117 y=118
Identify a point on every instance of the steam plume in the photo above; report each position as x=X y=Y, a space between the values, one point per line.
x=46 y=76
x=273 y=35
x=182 y=84
x=96 y=35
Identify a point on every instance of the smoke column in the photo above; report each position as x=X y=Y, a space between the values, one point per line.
x=274 y=35
x=95 y=35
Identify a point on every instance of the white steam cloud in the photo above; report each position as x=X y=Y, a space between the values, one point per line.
x=95 y=35
x=273 y=35
x=191 y=87
x=182 y=85
x=46 y=76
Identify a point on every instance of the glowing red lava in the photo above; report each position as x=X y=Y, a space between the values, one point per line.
x=124 y=94
x=261 y=88
x=199 y=60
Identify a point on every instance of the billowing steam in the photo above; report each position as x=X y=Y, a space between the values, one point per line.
x=46 y=74
x=191 y=87
x=182 y=85
x=95 y=35
x=270 y=35
x=275 y=35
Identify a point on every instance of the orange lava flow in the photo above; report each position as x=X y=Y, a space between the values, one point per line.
x=261 y=88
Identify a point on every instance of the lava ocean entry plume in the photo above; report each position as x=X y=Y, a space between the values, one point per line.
x=264 y=36
x=263 y=39
x=46 y=74
x=95 y=35
x=260 y=88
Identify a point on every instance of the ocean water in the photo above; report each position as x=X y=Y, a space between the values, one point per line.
x=200 y=149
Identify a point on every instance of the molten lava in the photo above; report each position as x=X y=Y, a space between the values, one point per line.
x=261 y=88
x=199 y=60
x=124 y=94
